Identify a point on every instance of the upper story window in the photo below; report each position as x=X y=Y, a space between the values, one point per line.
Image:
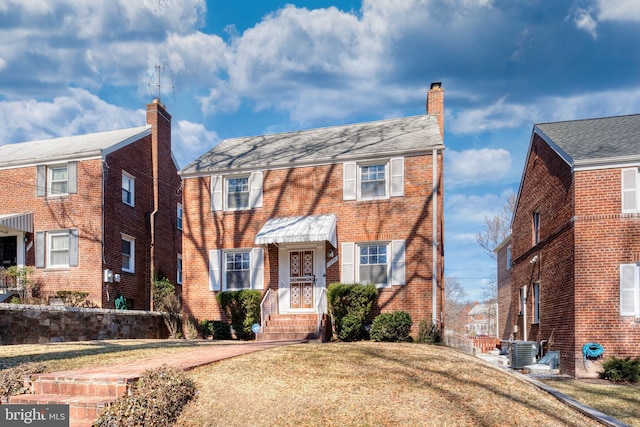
x=128 y=253
x=57 y=248
x=373 y=180
x=380 y=263
x=236 y=269
x=128 y=189
x=236 y=192
x=509 y=257
x=536 y=227
x=179 y=217
x=630 y=290
x=56 y=180
x=536 y=302
x=179 y=269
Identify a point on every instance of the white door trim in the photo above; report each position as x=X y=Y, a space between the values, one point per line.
x=284 y=301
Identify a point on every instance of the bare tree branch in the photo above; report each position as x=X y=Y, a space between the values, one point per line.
x=497 y=228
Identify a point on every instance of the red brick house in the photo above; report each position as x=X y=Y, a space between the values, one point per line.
x=291 y=213
x=505 y=312
x=576 y=240
x=96 y=213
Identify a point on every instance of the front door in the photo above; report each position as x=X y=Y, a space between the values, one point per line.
x=8 y=251
x=301 y=278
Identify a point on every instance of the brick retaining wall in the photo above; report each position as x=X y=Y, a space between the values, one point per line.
x=35 y=324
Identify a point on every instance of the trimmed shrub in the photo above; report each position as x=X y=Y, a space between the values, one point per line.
x=621 y=370
x=216 y=329
x=391 y=327
x=155 y=400
x=350 y=305
x=428 y=332
x=243 y=309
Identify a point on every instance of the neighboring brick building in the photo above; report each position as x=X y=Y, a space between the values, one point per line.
x=505 y=311
x=76 y=206
x=576 y=240
x=295 y=212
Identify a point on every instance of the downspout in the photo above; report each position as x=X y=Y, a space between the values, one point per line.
x=524 y=314
x=105 y=168
x=434 y=234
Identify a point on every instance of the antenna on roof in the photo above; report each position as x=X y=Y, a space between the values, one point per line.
x=159 y=84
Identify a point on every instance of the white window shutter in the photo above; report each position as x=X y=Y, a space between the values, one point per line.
x=348 y=263
x=397 y=176
x=398 y=262
x=214 y=269
x=41 y=181
x=72 y=177
x=216 y=192
x=40 y=249
x=257 y=268
x=73 y=247
x=349 y=181
x=255 y=190
x=629 y=290
x=629 y=190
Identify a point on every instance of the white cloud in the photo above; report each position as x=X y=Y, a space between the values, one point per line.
x=585 y=21
x=619 y=10
x=475 y=167
x=191 y=140
x=468 y=211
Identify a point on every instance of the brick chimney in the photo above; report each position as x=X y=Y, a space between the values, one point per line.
x=435 y=104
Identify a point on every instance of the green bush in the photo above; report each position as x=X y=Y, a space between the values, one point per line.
x=156 y=399
x=428 y=332
x=217 y=329
x=621 y=370
x=391 y=327
x=242 y=309
x=350 y=305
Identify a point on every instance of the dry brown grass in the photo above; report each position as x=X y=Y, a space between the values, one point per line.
x=617 y=400
x=368 y=384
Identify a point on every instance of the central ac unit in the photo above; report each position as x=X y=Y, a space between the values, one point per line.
x=523 y=353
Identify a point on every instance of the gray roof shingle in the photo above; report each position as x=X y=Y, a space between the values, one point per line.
x=600 y=139
x=68 y=147
x=331 y=144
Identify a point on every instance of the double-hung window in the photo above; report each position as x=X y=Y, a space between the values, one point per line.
x=56 y=180
x=536 y=302
x=179 y=216
x=536 y=227
x=374 y=179
x=379 y=263
x=236 y=192
x=235 y=269
x=56 y=248
x=128 y=189
x=179 y=269
x=630 y=290
x=128 y=244
x=509 y=257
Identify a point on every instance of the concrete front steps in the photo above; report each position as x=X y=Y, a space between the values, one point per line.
x=86 y=395
x=284 y=327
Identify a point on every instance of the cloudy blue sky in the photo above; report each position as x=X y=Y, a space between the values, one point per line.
x=251 y=67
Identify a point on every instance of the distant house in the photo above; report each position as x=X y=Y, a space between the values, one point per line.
x=481 y=320
x=505 y=312
x=576 y=240
x=290 y=213
x=96 y=213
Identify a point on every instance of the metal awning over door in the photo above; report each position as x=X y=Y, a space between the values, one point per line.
x=19 y=221
x=299 y=229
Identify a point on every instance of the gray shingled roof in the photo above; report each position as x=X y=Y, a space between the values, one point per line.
x=68 y=148
x=384 y=137
x=601 y=139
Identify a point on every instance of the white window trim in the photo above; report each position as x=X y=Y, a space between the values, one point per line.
x=132 y=181
x=219 y=191
x=535 y=220
x=536 y=302
x=396 y=266
x=217 y=268
x=386 y=180
x=179 y=270
x=50 y=179
x=179 y=218
x=630 y=288
x=226 y=193
x=50 y=235
x=132 y=258
x=394 y=179
x=509 y=257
